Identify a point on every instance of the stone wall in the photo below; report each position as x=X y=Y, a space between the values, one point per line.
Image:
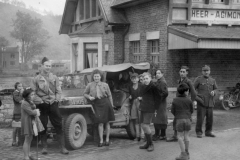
x=6 y=111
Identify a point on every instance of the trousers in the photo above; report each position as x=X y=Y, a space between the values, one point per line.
x=52 y=112
x=203 y=112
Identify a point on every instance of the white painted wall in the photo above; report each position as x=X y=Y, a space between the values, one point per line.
x=81 y=40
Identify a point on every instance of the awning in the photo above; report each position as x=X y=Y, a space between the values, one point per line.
x=203 y=38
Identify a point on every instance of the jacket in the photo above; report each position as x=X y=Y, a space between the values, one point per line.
x=204 y=86
x=150 y=98
x=161 y=117
x=92 y=91
x=47 y=89
x=17 y=99
x=182 y=107
x=192 y=90
x=28 y=114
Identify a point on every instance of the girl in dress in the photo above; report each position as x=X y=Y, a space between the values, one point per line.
x=29 y=112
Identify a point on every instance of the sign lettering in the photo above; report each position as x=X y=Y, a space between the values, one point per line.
x=215 y=15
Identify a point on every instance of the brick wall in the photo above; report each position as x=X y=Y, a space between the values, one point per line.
x=147 y=17
x=225 y=66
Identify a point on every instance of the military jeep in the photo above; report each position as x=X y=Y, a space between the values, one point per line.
x=78 y=112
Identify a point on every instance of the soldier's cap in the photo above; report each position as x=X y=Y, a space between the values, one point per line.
x=206 y=68
x=133 y=75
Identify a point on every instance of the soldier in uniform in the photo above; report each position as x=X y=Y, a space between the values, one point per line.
x=48 y=94
x=183 y=79
x=206 y=88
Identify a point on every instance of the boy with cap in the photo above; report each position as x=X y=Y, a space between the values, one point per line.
x=183 y=79
x=206 y=87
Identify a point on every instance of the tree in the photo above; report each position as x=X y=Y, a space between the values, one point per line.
x=30 y=33
x=3 y=42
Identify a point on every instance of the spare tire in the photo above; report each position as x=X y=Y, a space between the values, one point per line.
x=75 y=131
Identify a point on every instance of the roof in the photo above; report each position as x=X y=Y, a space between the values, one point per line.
x=198 y=33
x=92 y=28
x=111 y=16
x=11 y=49
x=200 y=37
x=127 y=3
x=119 y=67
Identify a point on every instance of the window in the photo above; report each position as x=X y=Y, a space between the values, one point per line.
x=218 y=1
x=88 y=9
x=135 y=46
x=12 y=63
x=12 y=55
x=236 y=1
x=153 y=46
x=198 y=1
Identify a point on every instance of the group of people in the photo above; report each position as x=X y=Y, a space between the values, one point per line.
x=148 y=104
x=35 y=105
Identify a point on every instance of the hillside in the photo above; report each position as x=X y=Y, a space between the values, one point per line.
x=57 y=48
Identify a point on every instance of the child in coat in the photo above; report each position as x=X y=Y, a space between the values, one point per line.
x=17 y=100
x=29 y=112
x=135 y=91
x=182 y=109
x=148 y=105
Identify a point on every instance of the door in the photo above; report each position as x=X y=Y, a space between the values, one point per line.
x=91 y=55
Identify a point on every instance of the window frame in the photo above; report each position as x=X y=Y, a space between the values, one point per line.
x=218 y=2
x=12 y=63
x=83 y=11
x=135 y=45
x=12 y=55
x=153 y=45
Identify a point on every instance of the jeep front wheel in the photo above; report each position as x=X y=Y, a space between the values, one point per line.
x=75 y=131
x=131 y=130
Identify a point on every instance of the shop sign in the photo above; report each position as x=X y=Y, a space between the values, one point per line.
x=215 y=15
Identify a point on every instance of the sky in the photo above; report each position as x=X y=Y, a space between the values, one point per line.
x=56 y=6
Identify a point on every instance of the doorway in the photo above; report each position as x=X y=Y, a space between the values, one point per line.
x=91 y=55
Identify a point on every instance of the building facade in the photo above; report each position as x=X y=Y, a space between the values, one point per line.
x=166 y=33
x=10 y=58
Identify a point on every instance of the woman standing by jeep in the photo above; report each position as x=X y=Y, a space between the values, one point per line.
x=99 y=93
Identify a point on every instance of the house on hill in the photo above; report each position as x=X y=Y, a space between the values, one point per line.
x=168 y=33
x=10 y=58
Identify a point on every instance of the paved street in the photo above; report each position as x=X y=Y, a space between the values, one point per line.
x=224 y=147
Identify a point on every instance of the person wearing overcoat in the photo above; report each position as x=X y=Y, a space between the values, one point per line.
x=160 y=119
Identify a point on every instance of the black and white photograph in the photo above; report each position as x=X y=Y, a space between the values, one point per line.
x=119 y=79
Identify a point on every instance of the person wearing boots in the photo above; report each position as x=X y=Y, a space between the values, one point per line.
x=160 y=120
x=182 y=109
x=206 y=88
x=183 y=79
x=47 y=97
x=148 y=105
